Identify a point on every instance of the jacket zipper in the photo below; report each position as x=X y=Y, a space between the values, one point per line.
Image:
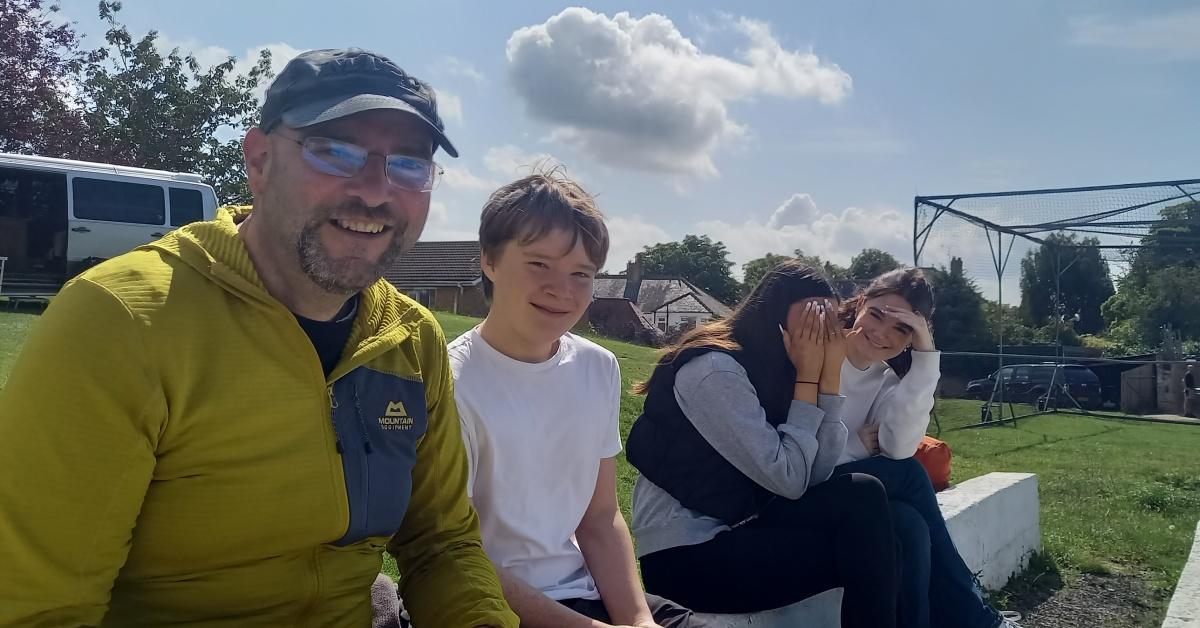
x=333 y=406
x=363 y=469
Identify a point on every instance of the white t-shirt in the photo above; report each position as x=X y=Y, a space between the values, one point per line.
x=901 y=407
x=535 y=435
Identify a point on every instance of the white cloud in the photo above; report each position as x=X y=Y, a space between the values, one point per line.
x=457 y=67
x=460 y=177
x=628 y=236
x=440 y=225
x=635 y=93
x=449 y=105
x=1176 y=35
x=510 y=161
x=799 y=209
x=798 y=224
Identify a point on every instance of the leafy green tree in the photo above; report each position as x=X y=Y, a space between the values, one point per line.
x=870 y=263
x=40 y=63
x=147 y=109
x=699 y=260
x=1161 y=287
x=959 y=323
x=124 y=103
x=1083 y=287
x=754 y=270
x=832 y=272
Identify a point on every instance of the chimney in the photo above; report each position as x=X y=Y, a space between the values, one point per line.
x=633 y=279
x=956 y=269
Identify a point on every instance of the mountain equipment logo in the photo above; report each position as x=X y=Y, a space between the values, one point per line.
x=395 y=417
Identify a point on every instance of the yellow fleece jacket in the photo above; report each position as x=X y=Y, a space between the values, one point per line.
x=171 y=452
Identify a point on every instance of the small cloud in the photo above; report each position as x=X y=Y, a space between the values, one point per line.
x=449 y=105
x=440 y=226
x=457 y=67
x=460 y=177
x=797 y=210
x=510 y=161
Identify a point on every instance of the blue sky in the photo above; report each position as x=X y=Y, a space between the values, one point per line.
x=769 y=126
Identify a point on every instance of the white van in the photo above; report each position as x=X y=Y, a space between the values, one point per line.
x=59 y=217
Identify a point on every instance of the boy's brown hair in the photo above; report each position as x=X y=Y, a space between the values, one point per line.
x=531 y=207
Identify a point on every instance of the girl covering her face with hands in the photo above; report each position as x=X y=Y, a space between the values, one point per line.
x=741 y=429
x=888 y=378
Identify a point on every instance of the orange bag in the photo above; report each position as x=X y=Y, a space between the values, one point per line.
x=934 y=455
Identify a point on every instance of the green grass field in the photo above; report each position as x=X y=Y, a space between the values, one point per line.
x=1117 y=496
x=13 y=328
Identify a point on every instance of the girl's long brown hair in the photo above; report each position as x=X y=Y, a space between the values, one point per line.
x=752 y=332
x=910 y=284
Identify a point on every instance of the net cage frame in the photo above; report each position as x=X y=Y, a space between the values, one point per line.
x=1116 y=225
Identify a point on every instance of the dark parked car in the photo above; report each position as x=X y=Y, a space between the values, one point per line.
x=1029 y=383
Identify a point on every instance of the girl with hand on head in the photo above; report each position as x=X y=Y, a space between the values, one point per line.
x=734 y=510
x=888 y=378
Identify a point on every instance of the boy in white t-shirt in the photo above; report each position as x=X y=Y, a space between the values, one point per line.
x=540 y=416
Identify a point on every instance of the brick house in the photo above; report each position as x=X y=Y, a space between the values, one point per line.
x=442 y=276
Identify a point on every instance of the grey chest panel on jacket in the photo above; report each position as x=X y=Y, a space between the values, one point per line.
x=379 y=419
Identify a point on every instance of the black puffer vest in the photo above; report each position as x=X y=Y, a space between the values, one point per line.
x=667 y=449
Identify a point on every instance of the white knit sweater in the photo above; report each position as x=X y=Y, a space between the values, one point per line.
x=900 y=406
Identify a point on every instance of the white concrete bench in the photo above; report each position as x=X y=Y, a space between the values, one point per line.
x=1184 y=611
x=995 y=523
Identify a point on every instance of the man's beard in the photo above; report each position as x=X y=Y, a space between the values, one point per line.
x=351 y=275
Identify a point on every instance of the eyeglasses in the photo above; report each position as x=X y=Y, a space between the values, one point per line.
x=343 y=159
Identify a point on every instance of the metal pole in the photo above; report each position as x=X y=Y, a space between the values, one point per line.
x=916 y=255
x=1057 y=304
x=1000 y=318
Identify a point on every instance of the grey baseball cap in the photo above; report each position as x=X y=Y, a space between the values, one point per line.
x=322 y=85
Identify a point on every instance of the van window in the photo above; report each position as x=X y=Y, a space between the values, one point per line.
x=187 y=206
x=119 y=201
x=33 y=194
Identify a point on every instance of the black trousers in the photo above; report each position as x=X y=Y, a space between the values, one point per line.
x=666 y=613
x=838 y=534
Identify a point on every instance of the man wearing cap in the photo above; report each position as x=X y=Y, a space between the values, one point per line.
x=228 y=425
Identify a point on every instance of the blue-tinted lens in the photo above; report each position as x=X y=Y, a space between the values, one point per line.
x=411 y=173
x=339 y=159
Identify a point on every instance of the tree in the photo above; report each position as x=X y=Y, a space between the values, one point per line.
x=1165 y=297
x=699 y=260
x=124 y=103
x=832 y=272
x=871 y=263
x=958 y=320
x=754 y=270
x=1007 y=318
x=146 y=109
x=1083 y=287
x=40 y=63
x=1160 y=288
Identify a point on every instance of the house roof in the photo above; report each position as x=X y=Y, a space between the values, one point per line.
x=436 y=264
x=680 y=295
